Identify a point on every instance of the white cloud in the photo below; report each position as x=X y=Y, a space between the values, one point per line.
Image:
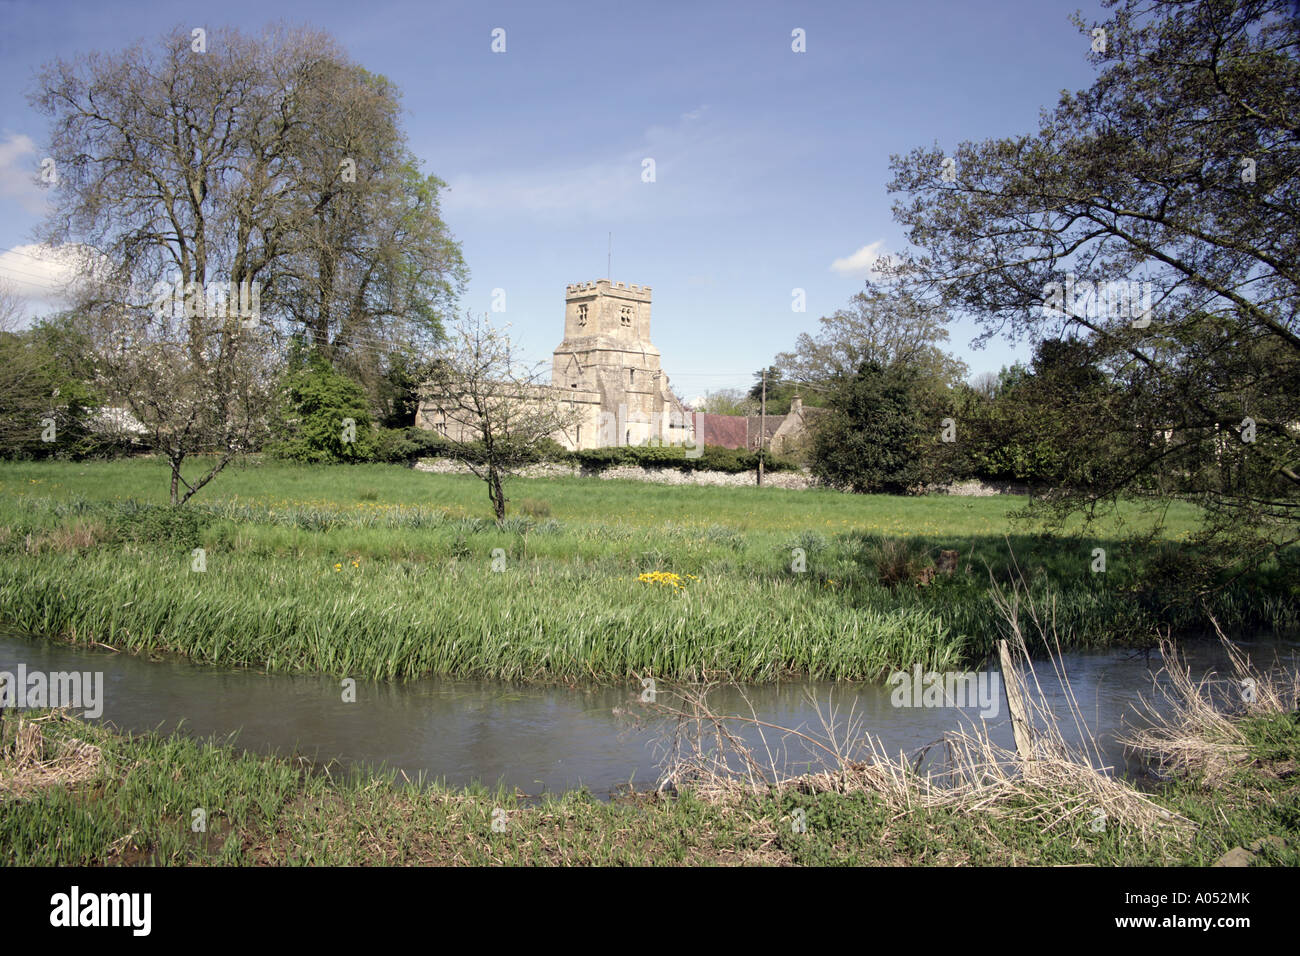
x=40 y=275
x=698 y=168
x=591 y=188
x=18 y=165
x=861 y=264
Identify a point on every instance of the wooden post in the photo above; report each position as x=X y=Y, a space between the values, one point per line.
x=1015 y=692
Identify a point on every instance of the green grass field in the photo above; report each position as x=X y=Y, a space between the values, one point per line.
x=381 y=571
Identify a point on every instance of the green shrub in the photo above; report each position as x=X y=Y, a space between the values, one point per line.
x=323 y=417
x=408 y=445
x=711 y=458
x=181 y=528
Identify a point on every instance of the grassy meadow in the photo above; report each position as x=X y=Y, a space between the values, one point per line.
x=380 y=571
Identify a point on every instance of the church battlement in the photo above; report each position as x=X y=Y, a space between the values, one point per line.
x=604 y=286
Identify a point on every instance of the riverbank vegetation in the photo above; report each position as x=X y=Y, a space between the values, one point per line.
x=383 y=572
x=74 y=793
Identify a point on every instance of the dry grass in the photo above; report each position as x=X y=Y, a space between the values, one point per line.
x=31 y=762
x=80 y=536
x=897 y=561
x=1194 y=727
x=1060 y=785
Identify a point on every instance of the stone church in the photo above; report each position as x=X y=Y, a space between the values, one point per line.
x=607 y=367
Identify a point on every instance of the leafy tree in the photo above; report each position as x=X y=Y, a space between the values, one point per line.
x=26 y=388
x=323 y=417
x=399 y=390
x=873 y=438
x=886 y=325
x=779 y=393
x=1022 y=432
x=269 y=167
x=1179 y=167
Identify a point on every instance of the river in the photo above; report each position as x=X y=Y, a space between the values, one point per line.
x=539 y=738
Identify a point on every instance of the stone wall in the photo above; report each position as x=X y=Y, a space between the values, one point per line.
x=790 y=480
x=975 y=488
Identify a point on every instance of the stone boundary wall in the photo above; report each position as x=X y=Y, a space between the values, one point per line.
x=665 y=476
x=976 y=488
x=789 y=480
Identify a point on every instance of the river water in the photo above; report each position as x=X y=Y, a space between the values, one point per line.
x=554 y=738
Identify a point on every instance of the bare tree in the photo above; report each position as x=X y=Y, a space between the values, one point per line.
x=728 y=401
x=987 y=384
x=11 y=308
x=493 y=408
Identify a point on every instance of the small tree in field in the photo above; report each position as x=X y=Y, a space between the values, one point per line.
x=494 y=410
x=199 y=385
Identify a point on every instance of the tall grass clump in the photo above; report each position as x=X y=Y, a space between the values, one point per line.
x=1054 y=786
x=401 y=620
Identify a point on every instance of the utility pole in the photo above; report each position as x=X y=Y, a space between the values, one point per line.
x=762 y=427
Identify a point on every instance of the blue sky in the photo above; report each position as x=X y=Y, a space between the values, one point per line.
x=770 y=165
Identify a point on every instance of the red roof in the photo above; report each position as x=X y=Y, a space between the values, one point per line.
x=727 y=431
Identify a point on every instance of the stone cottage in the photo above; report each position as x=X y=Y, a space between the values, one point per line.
x=785 y=433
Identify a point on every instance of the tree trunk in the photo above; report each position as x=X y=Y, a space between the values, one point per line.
x=497 y=494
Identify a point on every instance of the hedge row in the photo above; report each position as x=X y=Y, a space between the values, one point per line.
x=410 y=444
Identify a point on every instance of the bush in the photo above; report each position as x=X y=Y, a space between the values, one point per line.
x=408 y=445
x=162 y=524
x=712 y=458
x=316 y=403
x=601 y=458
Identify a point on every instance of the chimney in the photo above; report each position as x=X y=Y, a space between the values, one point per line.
x=796 y=405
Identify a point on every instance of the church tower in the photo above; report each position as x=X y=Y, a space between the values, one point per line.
x=607 y=354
